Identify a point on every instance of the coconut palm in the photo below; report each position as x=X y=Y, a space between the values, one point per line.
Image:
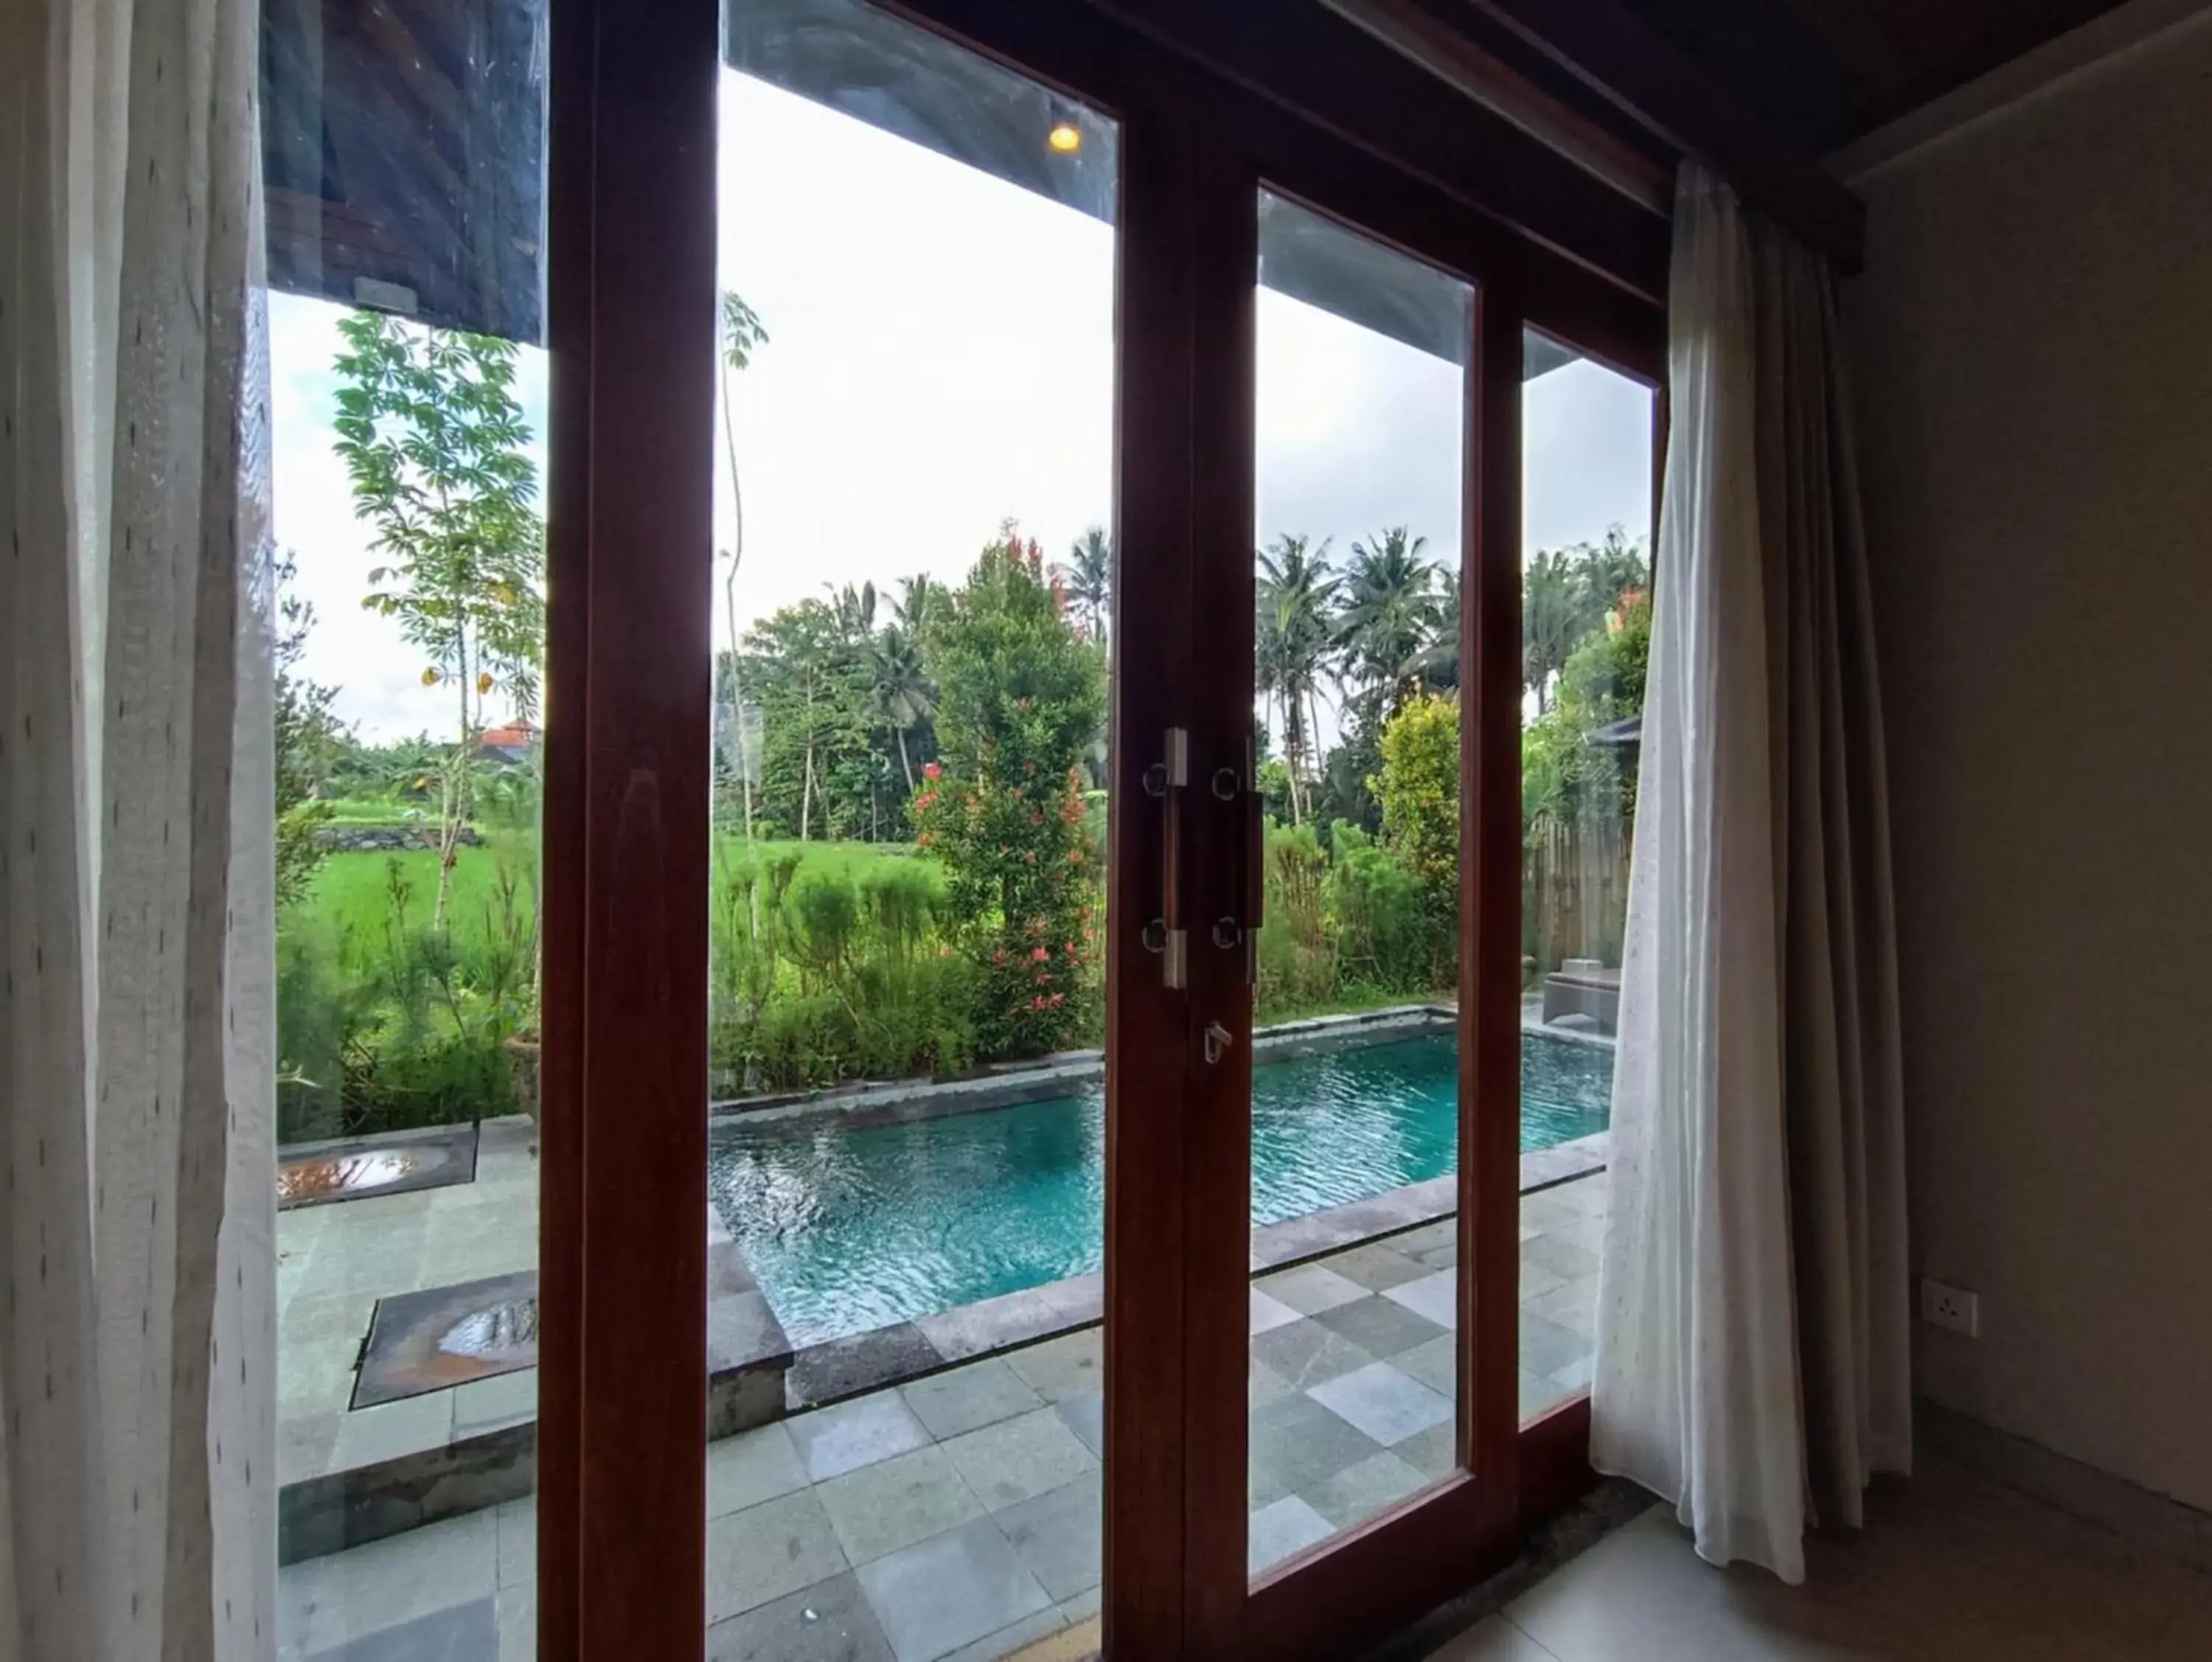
x=1388 y=615
x=1437 y=664
x=903 y=697
x=1088 y=580
x=917 y=600
x=1292 y=638
x=1555 y=615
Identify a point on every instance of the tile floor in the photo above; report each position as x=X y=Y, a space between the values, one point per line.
x=958 y=1516
x=1949 y=1568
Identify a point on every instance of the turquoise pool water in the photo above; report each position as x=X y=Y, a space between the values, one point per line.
x=848 y=1229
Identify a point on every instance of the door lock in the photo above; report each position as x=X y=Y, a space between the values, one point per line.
x=1218 y=1038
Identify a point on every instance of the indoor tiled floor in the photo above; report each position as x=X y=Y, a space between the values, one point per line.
x=1949 y=1568
x=958 y=1516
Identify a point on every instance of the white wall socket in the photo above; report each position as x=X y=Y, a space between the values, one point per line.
x=1950 y=1306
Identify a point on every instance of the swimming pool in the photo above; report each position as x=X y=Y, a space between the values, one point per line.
x=850 y=1228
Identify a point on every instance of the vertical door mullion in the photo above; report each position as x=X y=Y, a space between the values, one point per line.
x=1217 y=1229
x=1490 y=909
x=631 y=308
x=1146 y=1073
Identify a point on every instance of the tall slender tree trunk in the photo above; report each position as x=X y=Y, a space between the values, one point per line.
x=729 y=600
x=905 y=765
x=452 y=795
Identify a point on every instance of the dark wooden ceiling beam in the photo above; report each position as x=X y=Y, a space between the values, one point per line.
x=1612 y=51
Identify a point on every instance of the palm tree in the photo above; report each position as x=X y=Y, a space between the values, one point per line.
x=911 y=610
x=903 y=696
x=741 y=334
x=855 y=610
x=1388 y=615
x=1292 y=641
x=1555 y=616
x=1611 y=570
x=1437 y=664
x=1088 y=580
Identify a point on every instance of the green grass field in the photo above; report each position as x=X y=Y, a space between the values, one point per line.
x=350 y=891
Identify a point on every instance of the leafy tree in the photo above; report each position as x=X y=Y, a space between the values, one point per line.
x=1019 y=697
x=801 y=665
x=905 y=697
x=742 y=335
x=1293 y=641
x=434 y=442
x=308 y=741
x=1418 y=789
x=1087 y=580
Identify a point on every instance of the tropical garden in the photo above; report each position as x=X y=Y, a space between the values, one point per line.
x=908 y=803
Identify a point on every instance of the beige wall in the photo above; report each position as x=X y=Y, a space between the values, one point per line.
x=2033 y=343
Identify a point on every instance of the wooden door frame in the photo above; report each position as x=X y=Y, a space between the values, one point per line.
x=631 y=320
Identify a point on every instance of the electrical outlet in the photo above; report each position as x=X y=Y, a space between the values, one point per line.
x=1950 y=1306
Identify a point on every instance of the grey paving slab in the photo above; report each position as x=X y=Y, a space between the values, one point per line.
x=896 y=1502
x=1545 y=1345
x=1435 y=1364
x=751 y=1467
x=769 y=1550
x=1019 y=1458
x=966 y=1398
x=951 y=1591
x=1269 y=1312
x=832 y=1442
x=1377 y=1265
x=1309 y=1287
x=1536 y=1278
x=324 y=1603
x=1086 y=1417
x=1305 y=1353
x=1387 y=1405
x=1380 y=1326
x=1560 y=1255
x=1009 y=1641
x=1572 y=1305
x=1057 y=1535
x=515 y=1523
x=466 y=1633
x=1364 y=1488
x=829 y=1622
x=1434 y=1454
x=1265 y=1386
x=1295 y=1443
x=1066 y=1367
x=518 y=1623
x=1281 y=1528
x=1435 y=1296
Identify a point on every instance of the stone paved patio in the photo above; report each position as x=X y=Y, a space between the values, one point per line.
x=951 y=1516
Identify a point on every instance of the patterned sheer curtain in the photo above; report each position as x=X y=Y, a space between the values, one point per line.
x=137 y=1465
x=1751 y=1360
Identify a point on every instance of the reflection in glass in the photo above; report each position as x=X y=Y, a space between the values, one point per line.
x=1586 y=606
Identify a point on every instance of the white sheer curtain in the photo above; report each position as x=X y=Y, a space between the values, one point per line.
x=1752 y=1360
x=137 y=1466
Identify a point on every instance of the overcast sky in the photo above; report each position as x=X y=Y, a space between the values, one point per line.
x=940 y=360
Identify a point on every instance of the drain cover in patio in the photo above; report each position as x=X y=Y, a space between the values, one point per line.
x=319 y=1173
x=448 y=1336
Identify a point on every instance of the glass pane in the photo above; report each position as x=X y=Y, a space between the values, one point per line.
x=1586 y=610
x=408 y=465
x=913 y=631
x=1361 y=450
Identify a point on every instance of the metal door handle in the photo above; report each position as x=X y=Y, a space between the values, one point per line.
x=1218 y=1038
x=1164 y=935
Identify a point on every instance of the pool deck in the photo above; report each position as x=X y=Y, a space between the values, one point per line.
x=957 y=1514
x=929 y=1491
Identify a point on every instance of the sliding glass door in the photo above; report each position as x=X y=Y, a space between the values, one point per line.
x=1033 y=850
